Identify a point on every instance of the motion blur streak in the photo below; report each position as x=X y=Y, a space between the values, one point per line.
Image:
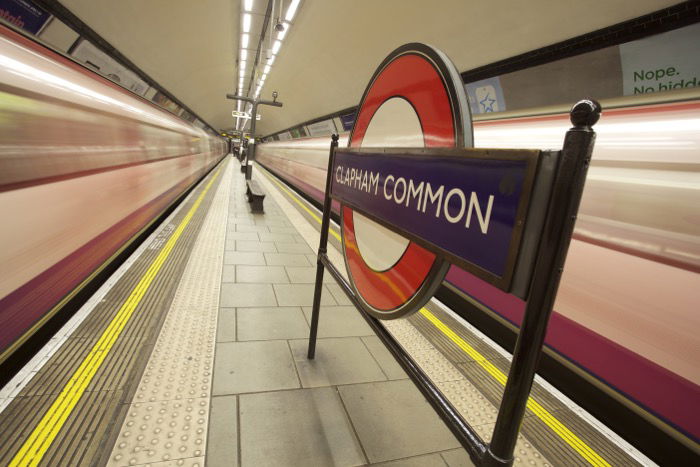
x=627 y=306
x=85 y=166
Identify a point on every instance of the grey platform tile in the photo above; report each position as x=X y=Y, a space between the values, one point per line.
x=431 y=460
x=306 y=427
x=305 y=275
x=235 y=210
x=261 y=274
x=222 y=438
x=247 y=295
x=253 y=367
x=457 y=458
x=299 y=239
x=271 y=323
x=338 y=361
x=229 y=273
x=226 y=327
x=340 y=321
x=241 y=221
x=338 y=294
x=312 y=257
x=394 y=421
x=297 y=248
x=282 y=229
x=240 y=257
x=386 y=361
x=276 y=237
x=299 y=295
x=269 y=220
x=261 y=229
x=285 y=259
x=232 y=236
x=254 y=245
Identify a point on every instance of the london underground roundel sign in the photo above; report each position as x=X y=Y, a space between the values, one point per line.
x=415 y=99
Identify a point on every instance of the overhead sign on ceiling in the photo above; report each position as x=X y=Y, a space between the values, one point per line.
x=24 y=14
x=237 y=114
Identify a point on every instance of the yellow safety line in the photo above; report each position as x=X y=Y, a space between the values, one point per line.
x=543 y=414
x=39 y=441
x=303 y=206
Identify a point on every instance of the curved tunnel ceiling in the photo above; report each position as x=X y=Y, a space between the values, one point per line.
x=333 y=47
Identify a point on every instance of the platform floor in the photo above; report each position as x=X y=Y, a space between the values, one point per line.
x=194 y=353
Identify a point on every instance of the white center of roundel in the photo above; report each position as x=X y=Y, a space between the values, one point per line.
x=394 y=124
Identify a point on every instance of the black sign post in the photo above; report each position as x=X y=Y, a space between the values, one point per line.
x=563 y=206
x=250 y=151
x=542 y=218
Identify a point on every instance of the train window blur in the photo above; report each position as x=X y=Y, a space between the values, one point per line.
x=664 y=62
x=322 y=128
x=298 y=132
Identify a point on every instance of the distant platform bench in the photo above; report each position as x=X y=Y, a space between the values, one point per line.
x=255 y=196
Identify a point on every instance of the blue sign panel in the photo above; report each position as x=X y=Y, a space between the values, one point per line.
x=23 y=14
x=347 y=120
x=467 y=204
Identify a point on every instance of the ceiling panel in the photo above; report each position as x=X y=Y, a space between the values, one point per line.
x=189 y=47
x=333 y=47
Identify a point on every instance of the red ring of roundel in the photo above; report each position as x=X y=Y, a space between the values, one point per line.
x=415 y=79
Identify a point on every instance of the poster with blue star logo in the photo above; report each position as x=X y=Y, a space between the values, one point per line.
x=486 y=96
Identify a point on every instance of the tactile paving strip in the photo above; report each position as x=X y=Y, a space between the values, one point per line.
x=80 y=439
x=475 y=408
x=167 y=420
x=468 y=387
x=474 y=393
x=534 y=428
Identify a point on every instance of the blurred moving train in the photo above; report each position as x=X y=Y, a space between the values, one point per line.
x=627 y=308
x=85 y=166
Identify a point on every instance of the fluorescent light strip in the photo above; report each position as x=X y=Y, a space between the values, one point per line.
x=244 y=54
x=271 y=60
x=246 y=22
x=266 y=70
x=244 y=41
x=282 y=33
x=291 y=11
x=276 y=46
x=248 y=5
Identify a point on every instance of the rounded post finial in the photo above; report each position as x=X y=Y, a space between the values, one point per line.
x=585 y=113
